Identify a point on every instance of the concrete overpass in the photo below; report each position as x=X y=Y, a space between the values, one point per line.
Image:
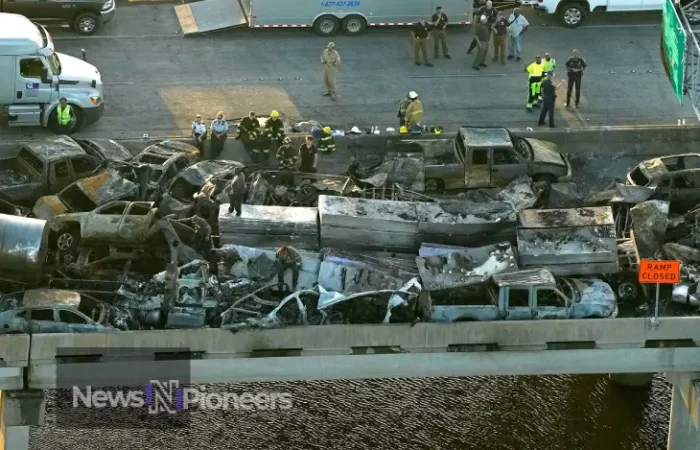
x=626 y=346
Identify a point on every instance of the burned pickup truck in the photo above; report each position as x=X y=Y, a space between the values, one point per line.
x=485 y=157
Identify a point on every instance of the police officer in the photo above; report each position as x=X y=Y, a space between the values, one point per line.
x=199 y=132
x=288 y=257
x=248 y=131
x=534 y=78
x=491 y=15
x=575 y=66
x=236 y=192
x=326 y=143
x=287 y=155
x=549 y=95
x=219 y=132
x=414 y=112
x=274 y=132
x=64 y=116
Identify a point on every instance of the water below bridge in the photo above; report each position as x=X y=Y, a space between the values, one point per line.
x=494 y=413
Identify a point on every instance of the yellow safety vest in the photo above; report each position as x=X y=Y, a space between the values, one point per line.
x=63 y=115
x=548 y=66
x=535 y=70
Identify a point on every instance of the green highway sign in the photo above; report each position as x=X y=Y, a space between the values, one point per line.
x=674 y=47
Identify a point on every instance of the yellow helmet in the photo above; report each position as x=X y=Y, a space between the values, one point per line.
x=403 y=130
x=327 y=129
x=274 y=114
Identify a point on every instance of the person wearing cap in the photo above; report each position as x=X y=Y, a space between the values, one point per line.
x=535 y=73
x=307 y=151
x=274 y=132
x=403 y=106
x=482 y=33
x=199 y=132
x=517 y=25
x=330 y=59
x=287 y=257
x=439 y=22
x=326 y=143
x=491 y=14
x=287 y=155
x=414 y=112
x=421 y=32
x=236 y=193
x=248 y=131
x=219 y=132
x=549 y=95
x=64 y=117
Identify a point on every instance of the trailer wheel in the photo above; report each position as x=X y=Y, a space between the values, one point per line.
x=354 y=25
x=326 y=25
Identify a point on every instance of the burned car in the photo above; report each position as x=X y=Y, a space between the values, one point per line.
x=527 y=295
x=675 y=179
x=51 y=311
x=105 y=149
x=486 y=157
x=159 y=163
x=120 y=223
x=178 y=198
x=87 y=194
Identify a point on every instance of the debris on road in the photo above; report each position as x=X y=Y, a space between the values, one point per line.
x=649 y=220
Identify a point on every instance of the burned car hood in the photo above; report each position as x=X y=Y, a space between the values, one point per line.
x=592 y=298
x=546 y=152
x=48 y=207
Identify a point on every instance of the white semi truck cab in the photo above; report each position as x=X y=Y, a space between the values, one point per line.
x=35 y=77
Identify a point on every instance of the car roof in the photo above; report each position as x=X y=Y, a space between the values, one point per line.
x=105 y=186
x=109 y=149
x=54 y=148
x=166 y=153
x=19 y=35
x=527 y=277
x=486 y=137
x=198 y=174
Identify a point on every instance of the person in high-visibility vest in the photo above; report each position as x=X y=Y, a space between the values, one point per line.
x=534 y=79
x=548 y=65
x=64 y=115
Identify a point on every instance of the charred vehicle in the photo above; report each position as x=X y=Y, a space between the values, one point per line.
x=675 y=179
x=178 y=198
x=527 y=295
x=486 y=157
x=159 y=163
x=105 y=149
x=124 y=224
x=23 y=248
x=51 y=311
x=87 y=194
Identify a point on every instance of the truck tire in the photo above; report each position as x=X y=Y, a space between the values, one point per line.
x=326 y=25
x=354 y=25
x=86 y=23
x=77 y=125
x=572 y=14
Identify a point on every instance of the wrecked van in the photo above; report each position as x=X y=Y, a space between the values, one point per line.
x=87 y=194
x=527 y=295
x=486 y=157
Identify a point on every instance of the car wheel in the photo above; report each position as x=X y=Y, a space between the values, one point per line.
x=86 y=24
x=67 y=239
x=326 y=26
x=433 y=185
x=546 y=177
x=354 y=25
x=572 y=14
x=77 y=124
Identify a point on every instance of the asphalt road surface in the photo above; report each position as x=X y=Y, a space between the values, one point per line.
x=156 y=80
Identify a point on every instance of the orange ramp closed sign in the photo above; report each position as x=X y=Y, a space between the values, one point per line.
x=662 y=272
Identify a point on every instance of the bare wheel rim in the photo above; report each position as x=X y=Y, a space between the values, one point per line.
x=327 y=26
x=354 y=25
x=86 y=24
x=626 y=290
x=65 y=241
x=572 y=16
x=431 y=185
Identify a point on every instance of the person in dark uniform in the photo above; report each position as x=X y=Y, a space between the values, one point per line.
x=574 y=68
x=439 y=22
x=219 y=132
x=288 y=257
x=421 y=33
x=549 y=97
x=248 y=131
x=307 y=151
x=236 y=192
x=491 y=15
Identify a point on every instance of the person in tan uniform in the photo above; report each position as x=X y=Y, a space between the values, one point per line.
x=330 y=59
x=414 y=112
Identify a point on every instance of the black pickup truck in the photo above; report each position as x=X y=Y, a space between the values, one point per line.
x=83 y=16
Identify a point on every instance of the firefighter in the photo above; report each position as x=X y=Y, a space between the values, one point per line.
x=288 y=257
x=287 y=155
x=534 y=80
x=403 y=106
x=327 y=143
x=414 y=112
x=274 y=130
x=248 y=131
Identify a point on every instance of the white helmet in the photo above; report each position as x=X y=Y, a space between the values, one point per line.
x=412 y=95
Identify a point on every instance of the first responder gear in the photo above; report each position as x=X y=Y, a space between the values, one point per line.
x=403 y=130
x=416 y=129
x=535 y=73
x=287 y=156
x=274 y=114
x=287 y=140
x=326 y=144
x=548 y=63
x=63 y=115
x=414 y=113
x=274 y=129
x=437 y=131
x=412 y=95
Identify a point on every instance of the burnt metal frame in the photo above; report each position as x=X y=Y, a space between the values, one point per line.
x=691 y=76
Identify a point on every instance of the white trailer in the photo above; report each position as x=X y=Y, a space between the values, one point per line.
x=326 y=17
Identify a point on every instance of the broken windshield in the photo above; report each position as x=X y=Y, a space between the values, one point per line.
x=523 y=147
x=182 y=190
x=76 y=200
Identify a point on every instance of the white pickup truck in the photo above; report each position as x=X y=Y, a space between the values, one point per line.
x=573 y=12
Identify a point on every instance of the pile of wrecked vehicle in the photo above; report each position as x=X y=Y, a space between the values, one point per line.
x=97 y=240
